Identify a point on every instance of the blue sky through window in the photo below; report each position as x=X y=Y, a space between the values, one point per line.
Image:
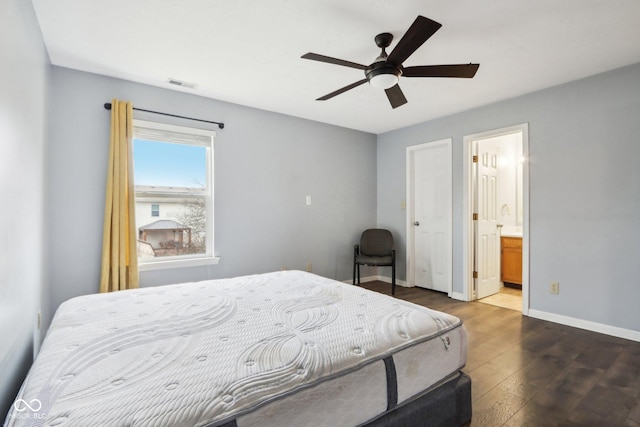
x=169 y=165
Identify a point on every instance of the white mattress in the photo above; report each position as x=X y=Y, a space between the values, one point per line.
x=285 y=348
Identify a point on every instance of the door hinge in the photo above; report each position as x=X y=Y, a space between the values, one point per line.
x=475 y=274
x=475 y=217
x=475 y=159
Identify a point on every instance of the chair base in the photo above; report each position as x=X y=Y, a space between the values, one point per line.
x=356 y=276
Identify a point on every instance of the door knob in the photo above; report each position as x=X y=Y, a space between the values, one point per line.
x=416 y=223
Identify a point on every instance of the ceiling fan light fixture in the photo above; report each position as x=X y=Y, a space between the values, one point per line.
x=382 y=75
x=383 y=81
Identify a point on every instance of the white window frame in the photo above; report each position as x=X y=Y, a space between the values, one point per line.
x=163 y=132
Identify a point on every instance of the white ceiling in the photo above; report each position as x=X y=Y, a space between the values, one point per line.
x=248 y=51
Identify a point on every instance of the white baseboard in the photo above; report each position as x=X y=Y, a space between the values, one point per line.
x=388 y=280
x=586 y=324
x=458 y=295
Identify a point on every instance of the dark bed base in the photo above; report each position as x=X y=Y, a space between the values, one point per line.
x=446 y=405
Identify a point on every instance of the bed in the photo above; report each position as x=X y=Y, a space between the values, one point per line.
x=275 y=349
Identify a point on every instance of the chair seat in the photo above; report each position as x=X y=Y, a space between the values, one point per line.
x=374 y=260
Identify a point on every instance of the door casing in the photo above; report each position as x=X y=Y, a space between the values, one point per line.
x=468 y=200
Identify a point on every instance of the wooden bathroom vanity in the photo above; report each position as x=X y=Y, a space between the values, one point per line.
x=511 y=252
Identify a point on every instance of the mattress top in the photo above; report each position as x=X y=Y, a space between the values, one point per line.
x=202 y=353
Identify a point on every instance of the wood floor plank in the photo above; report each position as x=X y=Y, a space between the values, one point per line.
x=634 y=415
x=600 y=356
x=553 y=404
x=624 y=376
x=495 y=408
x=484 y=379
x=533 y=378
x=513 y=359
x=609 y=403
x=576 y=378
x=527 y=416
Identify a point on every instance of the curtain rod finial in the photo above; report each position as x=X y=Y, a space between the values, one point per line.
x=107 y=106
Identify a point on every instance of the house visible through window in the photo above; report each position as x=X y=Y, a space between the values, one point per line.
x=173 y=170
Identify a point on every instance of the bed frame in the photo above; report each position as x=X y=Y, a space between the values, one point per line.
x=447 y=405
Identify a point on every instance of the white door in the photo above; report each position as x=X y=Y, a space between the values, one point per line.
x=487 y=235
x=430 y=257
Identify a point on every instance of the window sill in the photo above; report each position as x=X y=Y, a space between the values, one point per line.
x=177 y=263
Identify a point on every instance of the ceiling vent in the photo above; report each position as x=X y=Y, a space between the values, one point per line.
x=177 y=82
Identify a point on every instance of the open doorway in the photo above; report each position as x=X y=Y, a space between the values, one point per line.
x=495 y=236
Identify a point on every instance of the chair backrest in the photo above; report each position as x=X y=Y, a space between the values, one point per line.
x=376 y=242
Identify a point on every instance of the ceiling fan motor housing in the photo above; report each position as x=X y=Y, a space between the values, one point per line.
x=383 y=68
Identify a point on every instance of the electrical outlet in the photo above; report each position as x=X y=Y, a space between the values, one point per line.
x=554 y=288
x=309 y=267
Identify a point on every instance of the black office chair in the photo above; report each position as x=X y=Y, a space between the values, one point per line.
x=376 y=249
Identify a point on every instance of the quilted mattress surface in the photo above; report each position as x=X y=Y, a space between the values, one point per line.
x=248 y=350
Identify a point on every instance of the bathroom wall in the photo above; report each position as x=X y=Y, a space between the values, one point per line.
x=509 y=165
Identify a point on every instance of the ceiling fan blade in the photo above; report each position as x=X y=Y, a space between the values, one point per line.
x=396 y=97
x=344 y=89
x=330 y=60
x=465 y=71
x=418 y=33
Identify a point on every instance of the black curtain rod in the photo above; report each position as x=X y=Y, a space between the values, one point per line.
x=107 y=106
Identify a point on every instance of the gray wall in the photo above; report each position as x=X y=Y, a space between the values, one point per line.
x=265 y=165
x=584 y=146
x=23 y=111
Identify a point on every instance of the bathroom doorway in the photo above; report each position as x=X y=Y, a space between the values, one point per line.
x=496 y=246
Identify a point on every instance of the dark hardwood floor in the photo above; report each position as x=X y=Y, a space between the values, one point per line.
x=529 y=372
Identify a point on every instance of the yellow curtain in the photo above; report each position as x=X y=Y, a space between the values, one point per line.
x=119 y=243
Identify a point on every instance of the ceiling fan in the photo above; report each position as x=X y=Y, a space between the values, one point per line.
x=386 y=70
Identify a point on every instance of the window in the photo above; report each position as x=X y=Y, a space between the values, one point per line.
x=173 y=176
